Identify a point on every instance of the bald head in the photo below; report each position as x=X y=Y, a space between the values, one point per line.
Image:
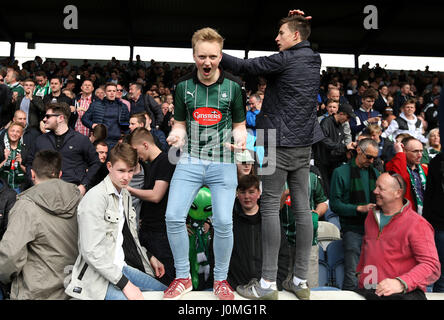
x=20 y=117
x=413 y=149
x=390 y=190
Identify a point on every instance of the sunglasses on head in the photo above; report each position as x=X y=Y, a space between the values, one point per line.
x=397 y=177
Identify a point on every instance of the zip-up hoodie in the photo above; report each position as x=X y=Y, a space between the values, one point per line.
x=404 y=249
x=40 y=242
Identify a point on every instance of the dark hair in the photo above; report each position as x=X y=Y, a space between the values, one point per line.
x=58 y=78
x=109 y=84
x=41 y=74
x=47 y=164
x=61 y=108
x=124 y=152
x=297 y=23
x=100 y=132
x=140 y=116
x=141 y=134
x=248 y=181
x=406 y=140
x=409 y=101
x=370 y=93
x=331 y=101
x=100 y=143
x=138 y=85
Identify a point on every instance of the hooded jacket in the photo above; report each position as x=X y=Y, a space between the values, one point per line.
x=246 y=257
x=40 y=242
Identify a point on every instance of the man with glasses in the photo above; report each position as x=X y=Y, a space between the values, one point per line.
x=398 y=259
x=407 y=163
x=119 y=96
x=79 y=157
x=351 y=198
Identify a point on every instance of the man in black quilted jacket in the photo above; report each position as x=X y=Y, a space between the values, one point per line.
x=289 y=112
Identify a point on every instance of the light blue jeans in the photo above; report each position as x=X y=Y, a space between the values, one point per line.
x=190 y=175
x=143 y=281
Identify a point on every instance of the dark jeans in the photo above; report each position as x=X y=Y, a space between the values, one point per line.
x=369 y=294
x=157 y=244
x=351 y=242
x=439 y=241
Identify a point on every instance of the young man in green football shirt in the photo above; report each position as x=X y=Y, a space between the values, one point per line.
x=209 y=112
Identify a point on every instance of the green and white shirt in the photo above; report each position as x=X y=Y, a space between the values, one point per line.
x=42 y=91
x=209 y=113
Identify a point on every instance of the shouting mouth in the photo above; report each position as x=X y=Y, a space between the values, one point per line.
x=206 y=70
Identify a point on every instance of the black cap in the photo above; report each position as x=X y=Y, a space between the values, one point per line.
x=348 y=109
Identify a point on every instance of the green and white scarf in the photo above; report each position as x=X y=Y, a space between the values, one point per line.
x=419 y=203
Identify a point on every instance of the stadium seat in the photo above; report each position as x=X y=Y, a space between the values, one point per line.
x=324 y=274
x=327 y=232
x=321 y=254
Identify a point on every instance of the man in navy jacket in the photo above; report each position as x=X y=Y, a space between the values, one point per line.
x=111 y=112
x=288 y=109
x=80 y=161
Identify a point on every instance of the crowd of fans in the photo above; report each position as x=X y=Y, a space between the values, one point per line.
x=397 y=110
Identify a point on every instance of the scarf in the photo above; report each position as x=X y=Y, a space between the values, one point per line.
x=357 y=193
x=419 y=204
x=13 y=173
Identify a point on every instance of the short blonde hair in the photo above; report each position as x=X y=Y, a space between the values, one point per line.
x=207 y=34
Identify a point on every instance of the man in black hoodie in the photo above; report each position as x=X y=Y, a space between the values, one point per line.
x=246 y=257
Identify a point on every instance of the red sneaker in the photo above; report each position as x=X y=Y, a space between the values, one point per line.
x=177 y=289
x=223 y=290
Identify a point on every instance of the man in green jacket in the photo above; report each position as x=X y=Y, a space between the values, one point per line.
x=41 y=238
x=351 y=198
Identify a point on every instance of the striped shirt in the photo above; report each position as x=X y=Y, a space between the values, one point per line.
x=42 y=91
x=82 y=105
x=209 y=113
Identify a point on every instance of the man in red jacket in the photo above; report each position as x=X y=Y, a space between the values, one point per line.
x=407 y=163
x=398 y=255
